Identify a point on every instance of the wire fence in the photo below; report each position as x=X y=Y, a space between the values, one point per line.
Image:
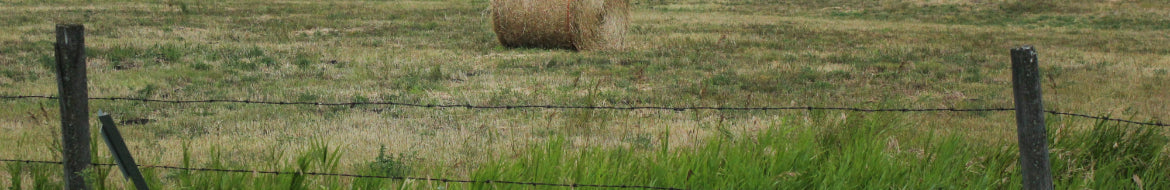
x=444 y=180
x=469 y=106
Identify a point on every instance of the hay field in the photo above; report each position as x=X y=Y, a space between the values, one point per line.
x=1106 y=58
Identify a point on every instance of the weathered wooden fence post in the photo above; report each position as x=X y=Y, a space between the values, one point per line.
x=74 y=99
x=1030 y=119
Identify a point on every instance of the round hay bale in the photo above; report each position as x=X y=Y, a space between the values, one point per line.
x=570 y=24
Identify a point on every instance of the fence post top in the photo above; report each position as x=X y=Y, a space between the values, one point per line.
x=1024 y=48
x=69 y=25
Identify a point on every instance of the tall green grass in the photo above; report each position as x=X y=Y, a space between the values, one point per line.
x=858 y=153
x=317 y=157
x=872 y=151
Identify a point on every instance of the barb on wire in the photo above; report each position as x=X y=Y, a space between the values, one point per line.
x=365 y=176
x=469 y=106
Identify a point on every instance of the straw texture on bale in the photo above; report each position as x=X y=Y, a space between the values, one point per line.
x=571 y=24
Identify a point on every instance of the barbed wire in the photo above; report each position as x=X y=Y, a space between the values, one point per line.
x=444 y=180
x=1154 y=123
x=469 y=106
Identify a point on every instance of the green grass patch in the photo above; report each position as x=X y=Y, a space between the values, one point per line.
x=860 y=152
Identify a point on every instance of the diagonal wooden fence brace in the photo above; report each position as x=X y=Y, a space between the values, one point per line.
x=121 y=154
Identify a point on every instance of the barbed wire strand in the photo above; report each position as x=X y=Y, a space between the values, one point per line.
x=1155 y=123
x=444 y=180
x=469 y=106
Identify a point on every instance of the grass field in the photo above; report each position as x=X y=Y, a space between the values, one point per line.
x=1106 y=58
